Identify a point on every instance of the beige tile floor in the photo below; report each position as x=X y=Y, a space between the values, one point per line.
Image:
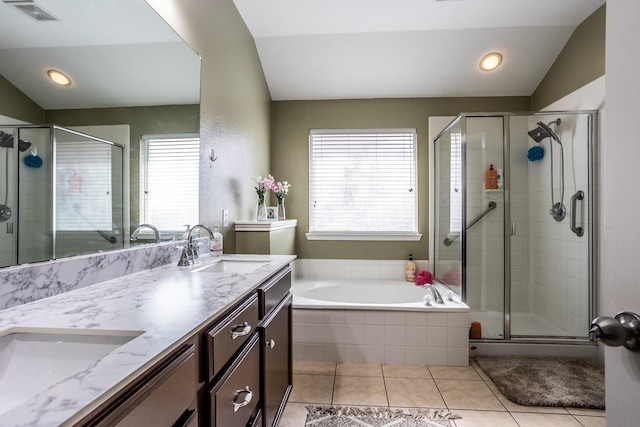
x=466 y=391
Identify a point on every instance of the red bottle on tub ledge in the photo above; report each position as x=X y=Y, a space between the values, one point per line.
x=491 y=180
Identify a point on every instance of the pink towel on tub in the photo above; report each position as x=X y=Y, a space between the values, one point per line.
x=424 y=278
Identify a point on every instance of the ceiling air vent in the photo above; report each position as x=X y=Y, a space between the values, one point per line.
x=33 y=10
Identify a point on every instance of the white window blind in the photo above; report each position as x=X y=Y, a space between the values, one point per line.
x=83 y=186
x=455 y=191
x=170 y=181
x=363 y=181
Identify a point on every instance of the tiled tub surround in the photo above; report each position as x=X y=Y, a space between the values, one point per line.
x=31 y=282
x=375 y=334
x=168 y=303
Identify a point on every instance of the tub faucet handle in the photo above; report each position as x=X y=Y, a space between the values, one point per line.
x=427 y=300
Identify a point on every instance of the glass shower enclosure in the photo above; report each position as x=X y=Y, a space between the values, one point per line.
x=62 y=194
x=521 y=252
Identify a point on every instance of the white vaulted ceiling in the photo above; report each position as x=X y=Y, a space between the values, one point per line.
x=341 y=49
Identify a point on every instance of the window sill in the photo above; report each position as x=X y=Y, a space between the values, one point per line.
x=365 y=237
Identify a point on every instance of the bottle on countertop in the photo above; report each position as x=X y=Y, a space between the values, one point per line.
x=491 y=180
x=216 y=242
x=410 y=270
x=499 y=179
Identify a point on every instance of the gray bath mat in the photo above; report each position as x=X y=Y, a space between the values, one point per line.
x=352 y=416
x=547 y=381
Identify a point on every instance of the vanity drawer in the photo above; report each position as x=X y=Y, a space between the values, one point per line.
x=227 y=336
x=274 y=290
x=235 y=397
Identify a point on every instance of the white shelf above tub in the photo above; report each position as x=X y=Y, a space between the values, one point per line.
x=265 y=225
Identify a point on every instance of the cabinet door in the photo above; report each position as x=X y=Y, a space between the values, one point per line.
x=277 y=372
x=165 y=398
x=235 y=397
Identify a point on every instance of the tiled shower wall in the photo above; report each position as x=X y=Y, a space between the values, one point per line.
x=559 y=286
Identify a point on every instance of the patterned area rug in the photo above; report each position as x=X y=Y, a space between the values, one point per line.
x=346 y=416
x=547 y=381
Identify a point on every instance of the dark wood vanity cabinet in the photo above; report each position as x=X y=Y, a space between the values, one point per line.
x=231 y=368
x=234 y=400
x=248 y=359
x=277 y=377
x=274 y=290
x=165 y=396
x=229 y=334
x=276 y=344
x=236 y=371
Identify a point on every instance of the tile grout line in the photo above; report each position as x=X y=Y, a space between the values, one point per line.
x=439 y=391
x=333 y=385
x=384 y=382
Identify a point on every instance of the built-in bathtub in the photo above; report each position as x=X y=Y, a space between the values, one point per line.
x=378 y=321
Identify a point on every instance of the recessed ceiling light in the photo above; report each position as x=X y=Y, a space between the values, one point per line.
x=490 y=61
x=59 y=78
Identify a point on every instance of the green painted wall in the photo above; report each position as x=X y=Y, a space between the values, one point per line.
x=581 y=61
x=142 y=120
x=17 y=105
x=290 y=123
x=235 y=107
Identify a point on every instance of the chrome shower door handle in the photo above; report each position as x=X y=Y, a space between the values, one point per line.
x=574 y=201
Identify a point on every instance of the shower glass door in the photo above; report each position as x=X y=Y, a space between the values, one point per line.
x=551 y=259
x=484 y=270
x=8 y=196
x=448 y=191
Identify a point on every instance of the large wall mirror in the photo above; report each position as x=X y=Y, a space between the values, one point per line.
x=131 y=76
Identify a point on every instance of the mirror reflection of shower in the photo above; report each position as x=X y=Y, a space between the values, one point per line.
x=558 y=210
x=6 y=141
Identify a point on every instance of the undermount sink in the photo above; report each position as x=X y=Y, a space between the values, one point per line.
x=233 y=265
x=34 y=359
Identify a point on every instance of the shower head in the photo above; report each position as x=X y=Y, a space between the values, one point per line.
x=6 y=141
x=23 y=145
x=544 y=131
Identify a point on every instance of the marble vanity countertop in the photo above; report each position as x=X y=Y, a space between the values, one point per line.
x=167 y=303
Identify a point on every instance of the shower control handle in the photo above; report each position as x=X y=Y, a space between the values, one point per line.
x=623 y=330
x=574 y=201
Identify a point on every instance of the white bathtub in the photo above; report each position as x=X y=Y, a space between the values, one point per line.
x=377 y=321
x=371 y=295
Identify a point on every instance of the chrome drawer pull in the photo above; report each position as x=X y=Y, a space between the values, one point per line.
x=247 y=398
x=270 y=344
x=245 y=329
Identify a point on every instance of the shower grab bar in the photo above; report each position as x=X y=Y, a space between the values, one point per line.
x=492 y=205
x=574 y=201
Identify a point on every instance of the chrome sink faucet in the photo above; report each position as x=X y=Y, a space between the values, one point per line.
x=134 y=235
x=189 y=251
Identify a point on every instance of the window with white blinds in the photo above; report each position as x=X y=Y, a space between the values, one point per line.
x=170 y=168
x=83 y=186
x=362 y=182
x=455 y=191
